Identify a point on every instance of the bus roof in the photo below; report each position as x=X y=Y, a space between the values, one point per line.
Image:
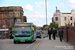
x=22 y=22
x=25 y=23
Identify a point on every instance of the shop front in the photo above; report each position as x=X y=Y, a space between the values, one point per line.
x=4 y=33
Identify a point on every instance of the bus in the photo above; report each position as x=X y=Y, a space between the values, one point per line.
x=24 y=32
x=38 y=32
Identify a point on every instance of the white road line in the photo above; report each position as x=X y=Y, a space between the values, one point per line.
x=27 y=47
x=31 y=44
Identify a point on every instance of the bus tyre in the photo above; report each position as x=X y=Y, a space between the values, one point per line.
x=32 y=40
x=14 y=42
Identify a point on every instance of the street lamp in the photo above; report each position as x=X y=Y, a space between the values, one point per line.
x=46 y=10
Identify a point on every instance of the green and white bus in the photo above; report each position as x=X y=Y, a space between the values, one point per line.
x=24 y=32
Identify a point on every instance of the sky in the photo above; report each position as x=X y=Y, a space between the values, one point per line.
x=35 y=11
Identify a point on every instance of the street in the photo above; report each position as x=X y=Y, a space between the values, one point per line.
x=7 y=44
x=39 y=44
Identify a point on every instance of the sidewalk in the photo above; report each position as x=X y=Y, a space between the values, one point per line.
x=47 y=44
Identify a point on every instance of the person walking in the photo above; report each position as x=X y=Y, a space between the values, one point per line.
x=49 y=33
x=54 y=32
x=60 y=34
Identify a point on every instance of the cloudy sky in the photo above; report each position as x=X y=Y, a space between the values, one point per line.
x=34 y=10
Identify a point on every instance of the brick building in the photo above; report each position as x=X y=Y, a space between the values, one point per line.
x=10 y=15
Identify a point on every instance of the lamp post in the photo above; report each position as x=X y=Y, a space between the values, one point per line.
x=46 y=10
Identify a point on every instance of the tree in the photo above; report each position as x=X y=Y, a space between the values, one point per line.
x=44 y=25
x=53 y=25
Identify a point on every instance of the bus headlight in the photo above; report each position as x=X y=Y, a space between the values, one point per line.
x=29 y=38
x=15 y=38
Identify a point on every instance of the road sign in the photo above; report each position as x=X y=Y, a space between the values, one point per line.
x=3 y=25
x=3 y=29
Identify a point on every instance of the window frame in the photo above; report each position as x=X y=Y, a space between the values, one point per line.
x=10 y=14
x=70 y=18
x=56 y=18
x=5 y=15
x=17 y=14
x=71 y=23
x=11 y=23
x=64 y=18
x=5 y=22
x=18 y=20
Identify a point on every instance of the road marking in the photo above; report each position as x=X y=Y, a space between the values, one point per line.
x=31 y=44
x=37 y=45
x=27 y=47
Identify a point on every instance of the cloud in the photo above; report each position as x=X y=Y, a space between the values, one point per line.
x=62 y=5
x=38 y=14
x=37 y=22
x=28 y=7
x=41 y=4
x=39 y=18
x=66 y=5
x=71 y=1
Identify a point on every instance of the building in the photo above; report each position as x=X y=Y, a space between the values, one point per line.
x=24 y=19
x=10 y=15
x=64 y=18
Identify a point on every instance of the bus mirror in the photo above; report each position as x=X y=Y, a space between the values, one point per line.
x=40 y=30
x=32 y=28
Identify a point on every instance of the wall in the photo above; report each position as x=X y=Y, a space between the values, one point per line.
x=69 y=34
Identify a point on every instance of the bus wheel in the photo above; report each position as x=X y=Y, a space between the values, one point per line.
x=32 y=40
x=14 y=42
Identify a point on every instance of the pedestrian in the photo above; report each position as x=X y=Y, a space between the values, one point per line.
x=54 y=32
x=49 y=33
x=61 y=34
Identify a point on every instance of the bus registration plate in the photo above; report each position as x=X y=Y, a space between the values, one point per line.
x=22 y=40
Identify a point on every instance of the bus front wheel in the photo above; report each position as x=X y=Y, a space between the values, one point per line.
x=14 y=42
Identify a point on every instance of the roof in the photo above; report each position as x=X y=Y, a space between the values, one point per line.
x=66 y=13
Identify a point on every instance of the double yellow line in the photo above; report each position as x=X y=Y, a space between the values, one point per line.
x=37 y=45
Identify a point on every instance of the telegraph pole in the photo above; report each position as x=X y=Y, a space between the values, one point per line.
x=46 y=10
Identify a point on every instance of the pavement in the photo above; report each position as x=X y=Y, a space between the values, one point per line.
x=47 y=44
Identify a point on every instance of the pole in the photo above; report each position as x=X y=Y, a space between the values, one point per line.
x=46 y=10
x=2 y=19
x=56 y=13
x=2 y=25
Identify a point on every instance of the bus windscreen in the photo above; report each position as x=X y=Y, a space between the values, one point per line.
x=22 y=31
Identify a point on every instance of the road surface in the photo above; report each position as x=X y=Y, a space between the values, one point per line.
x=7 y=44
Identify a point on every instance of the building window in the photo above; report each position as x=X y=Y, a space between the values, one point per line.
x=0 y=22
x=65 y=18
x=65 y=24
x=11 y=22
x=6 y=22
x=70 y=18
x=18 y=20
x=16 y=14
x=5 y=15
x=11 y=14
x=71 y=23
x=56 y=18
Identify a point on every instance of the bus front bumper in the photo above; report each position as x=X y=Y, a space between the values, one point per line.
x=20 y=39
